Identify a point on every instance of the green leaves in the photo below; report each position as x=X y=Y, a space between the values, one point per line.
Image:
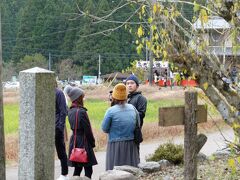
x=150 y=20
x=140 y=32
x=203 y=16
x=36 y=60
x=205 y=85
x=139 y=48
x=143 y=9
x=196 y=7
x=232 y=165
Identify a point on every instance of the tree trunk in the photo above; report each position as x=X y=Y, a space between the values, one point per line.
x=2 y=140
x=190 y=136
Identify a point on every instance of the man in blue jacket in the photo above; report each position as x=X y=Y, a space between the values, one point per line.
x=61 y=113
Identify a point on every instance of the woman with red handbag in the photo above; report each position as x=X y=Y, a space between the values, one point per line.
x=82 y=141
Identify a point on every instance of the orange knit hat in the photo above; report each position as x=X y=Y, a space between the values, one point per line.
x=120 y=92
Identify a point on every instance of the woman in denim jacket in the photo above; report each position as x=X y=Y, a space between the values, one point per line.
x=119 y=122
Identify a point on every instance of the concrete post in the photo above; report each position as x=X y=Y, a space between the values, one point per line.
x=37 y=124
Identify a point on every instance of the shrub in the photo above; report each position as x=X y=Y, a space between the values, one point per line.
x=169 y=151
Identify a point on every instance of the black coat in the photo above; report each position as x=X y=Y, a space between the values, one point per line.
x=139 y=102
x=85 y=136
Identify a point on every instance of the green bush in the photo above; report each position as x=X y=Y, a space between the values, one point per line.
x=169 y=151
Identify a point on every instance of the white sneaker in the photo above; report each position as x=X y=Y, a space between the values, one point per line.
x=61 y=177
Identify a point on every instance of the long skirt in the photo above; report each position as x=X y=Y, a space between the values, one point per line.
x=122 y=153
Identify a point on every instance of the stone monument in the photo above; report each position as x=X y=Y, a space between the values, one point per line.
x=37 y=124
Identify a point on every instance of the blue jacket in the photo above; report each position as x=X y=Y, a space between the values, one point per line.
x=119 y=122
x=61 y=110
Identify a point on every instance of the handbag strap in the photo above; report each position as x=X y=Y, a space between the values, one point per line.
x=75 y=128
x=75 y=131
x=137 y=118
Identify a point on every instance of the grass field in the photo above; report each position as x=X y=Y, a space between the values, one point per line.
x=96 y=111
x=11 y=118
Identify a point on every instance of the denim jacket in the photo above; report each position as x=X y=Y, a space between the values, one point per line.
x=119 y=122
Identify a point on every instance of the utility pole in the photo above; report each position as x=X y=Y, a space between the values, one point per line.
x=49 y=61
x=150 y=75
x=99 y=68
x=146 y=50
x=2 y=137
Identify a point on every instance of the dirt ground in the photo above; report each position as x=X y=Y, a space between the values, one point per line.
x=101 y=92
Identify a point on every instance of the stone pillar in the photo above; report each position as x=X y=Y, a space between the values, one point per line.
x=37 y=124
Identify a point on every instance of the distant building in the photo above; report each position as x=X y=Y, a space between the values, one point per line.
x=116 y=76
x=217 y=36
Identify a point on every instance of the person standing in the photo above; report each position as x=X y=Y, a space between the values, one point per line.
x=119 y=123
x=84 y=134
x=135 y=97
x=171 y=79
x=60 y=116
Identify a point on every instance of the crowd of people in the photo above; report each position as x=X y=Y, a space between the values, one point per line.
x=127 y=111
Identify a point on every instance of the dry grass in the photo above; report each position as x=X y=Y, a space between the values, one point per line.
x=101 y=92
x=11 y=148
x=97 y=92
x=100 y=138
x=10 y=97
x=151 y=131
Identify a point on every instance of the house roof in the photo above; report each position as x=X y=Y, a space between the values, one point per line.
x=117 y=74
x=214 y=22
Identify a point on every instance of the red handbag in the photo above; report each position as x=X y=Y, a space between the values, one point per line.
x=78 y=154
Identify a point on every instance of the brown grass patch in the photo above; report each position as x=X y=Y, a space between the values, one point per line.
x=153 y=131
x=11 y=147
x=101 y=92
x=100 y=138
x=97 y=92
x=155 y=92
x=150 y=92
x=11 y=97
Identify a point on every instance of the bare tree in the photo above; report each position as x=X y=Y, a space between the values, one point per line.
x=67 y=70
x=170 y=35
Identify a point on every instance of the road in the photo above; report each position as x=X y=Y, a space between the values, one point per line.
x=214 y=143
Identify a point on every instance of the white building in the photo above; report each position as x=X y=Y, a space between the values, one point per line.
x=216 y=33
